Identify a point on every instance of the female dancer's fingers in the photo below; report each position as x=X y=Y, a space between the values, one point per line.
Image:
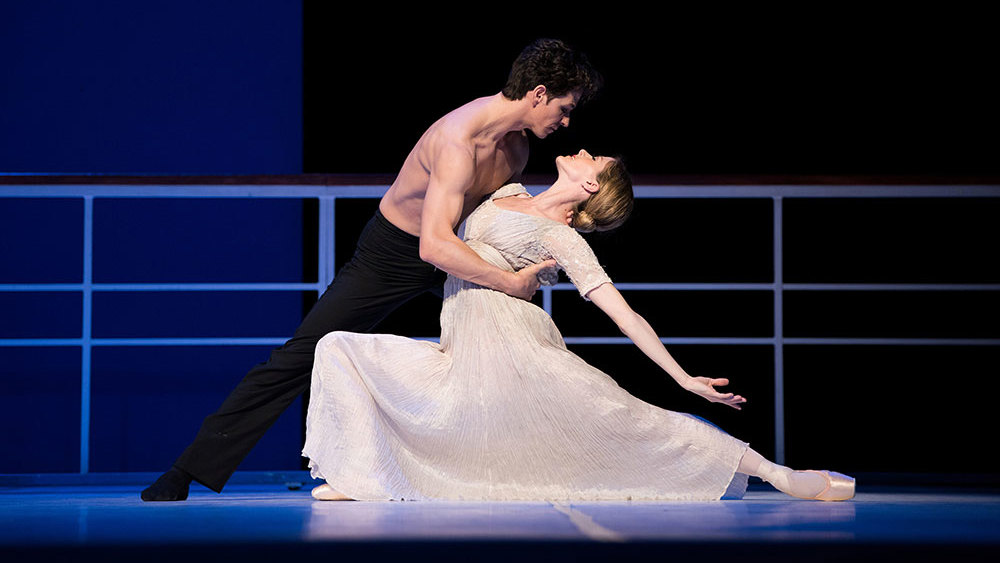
x=734 y=401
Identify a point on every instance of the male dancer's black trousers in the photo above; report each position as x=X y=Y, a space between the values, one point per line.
x=385 y=272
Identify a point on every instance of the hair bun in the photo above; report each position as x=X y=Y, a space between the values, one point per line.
x=583 y=221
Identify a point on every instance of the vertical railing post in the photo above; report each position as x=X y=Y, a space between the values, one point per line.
x=327 y=259
x=779 y=335
x=85 y=344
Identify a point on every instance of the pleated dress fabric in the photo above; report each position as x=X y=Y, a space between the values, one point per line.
x=500 y=409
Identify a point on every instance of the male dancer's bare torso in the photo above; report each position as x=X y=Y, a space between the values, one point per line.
x=491 y=160
x=461 y=158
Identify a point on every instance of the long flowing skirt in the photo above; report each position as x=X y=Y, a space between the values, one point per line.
x=499 y=410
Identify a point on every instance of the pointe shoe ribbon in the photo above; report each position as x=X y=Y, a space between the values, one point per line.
x=838 y=486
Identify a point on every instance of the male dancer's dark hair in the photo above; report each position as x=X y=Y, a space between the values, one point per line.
x=555 y=65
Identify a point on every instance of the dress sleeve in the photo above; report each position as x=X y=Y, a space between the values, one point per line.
x=575 y=257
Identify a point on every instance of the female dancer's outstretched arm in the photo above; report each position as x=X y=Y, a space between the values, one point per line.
x=821 y=485
x=611 y=301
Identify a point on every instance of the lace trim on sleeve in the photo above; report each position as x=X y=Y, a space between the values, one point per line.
x=576 y=258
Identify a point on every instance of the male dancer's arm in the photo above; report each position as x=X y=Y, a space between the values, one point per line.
x=452 y=175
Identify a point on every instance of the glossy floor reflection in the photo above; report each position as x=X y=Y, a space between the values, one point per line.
x=49 y=521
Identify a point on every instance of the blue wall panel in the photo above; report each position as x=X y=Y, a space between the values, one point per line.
x=41 y=240
x=178 y=87
x=148 y=403
x=130 y=314
x=198 y=240
x=52 y=314
x=40 y=409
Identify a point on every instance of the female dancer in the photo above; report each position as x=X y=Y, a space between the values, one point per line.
x=500 y=409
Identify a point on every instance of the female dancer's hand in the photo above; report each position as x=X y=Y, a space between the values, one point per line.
x=610 y=301
x=703 y=386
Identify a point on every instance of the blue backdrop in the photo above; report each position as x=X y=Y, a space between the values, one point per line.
x=152 y=87
x=180 y=86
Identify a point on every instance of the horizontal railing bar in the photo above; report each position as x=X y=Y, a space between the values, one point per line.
x=192 y=341
x=269 y=341
x=708 y=286
x=41 y=287
x=194 y=191
x=792 y=286
x=374 y=191
x=862 y=191
x=671 y=340
x=165 y=287
x=234 y=286
x=891 y=287
x=625 y=286
x=896 y=341
x=824 y=341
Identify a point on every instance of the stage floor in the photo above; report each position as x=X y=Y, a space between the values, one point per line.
x=261 y=522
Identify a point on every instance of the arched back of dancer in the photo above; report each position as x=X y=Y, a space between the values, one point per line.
x=500 y=409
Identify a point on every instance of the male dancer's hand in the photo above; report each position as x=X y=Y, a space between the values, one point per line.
x=526 y=280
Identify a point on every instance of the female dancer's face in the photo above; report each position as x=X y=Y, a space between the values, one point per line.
x=582 y=167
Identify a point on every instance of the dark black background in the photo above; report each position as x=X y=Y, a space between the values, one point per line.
x=716 y=97
x=723 y=92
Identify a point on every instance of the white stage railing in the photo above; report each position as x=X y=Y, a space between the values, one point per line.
x=328 y=196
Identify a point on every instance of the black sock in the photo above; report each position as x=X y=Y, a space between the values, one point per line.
x=172 y=485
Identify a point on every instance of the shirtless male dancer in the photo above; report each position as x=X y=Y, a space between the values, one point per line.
x=463 y=157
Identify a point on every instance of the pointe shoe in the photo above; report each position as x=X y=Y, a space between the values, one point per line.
x=326 y=492
x=838 y=486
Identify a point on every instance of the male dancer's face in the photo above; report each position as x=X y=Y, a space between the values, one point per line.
x=553 y=113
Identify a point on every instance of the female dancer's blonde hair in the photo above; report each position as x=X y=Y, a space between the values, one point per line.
x=611 y=205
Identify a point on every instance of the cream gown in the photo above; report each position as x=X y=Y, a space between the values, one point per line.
x=500 y=409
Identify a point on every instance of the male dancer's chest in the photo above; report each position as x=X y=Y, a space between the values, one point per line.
x=495 y=167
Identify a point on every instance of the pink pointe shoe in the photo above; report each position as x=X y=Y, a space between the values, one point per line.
x=838 y=486
x=326 y=492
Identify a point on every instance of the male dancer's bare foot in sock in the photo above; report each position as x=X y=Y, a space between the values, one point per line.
x=171 y=486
